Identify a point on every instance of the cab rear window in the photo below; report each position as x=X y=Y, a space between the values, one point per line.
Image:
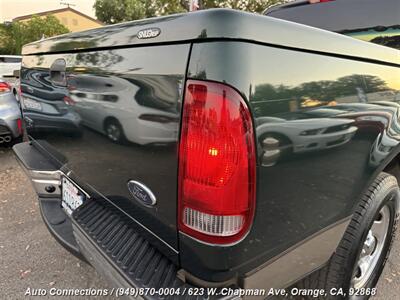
x=375 y=21
x=389 y=37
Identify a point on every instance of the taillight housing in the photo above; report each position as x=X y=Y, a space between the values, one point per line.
x=217 y=171
x=4 y=87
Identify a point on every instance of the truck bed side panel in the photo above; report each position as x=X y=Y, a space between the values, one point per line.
x=324 y=127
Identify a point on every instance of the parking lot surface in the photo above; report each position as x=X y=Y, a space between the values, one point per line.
x=31 y=258
x=29 y=255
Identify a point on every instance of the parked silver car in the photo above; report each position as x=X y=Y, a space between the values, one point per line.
x=10 y=115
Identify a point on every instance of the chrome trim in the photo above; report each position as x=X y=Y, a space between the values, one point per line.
x=148 y=33
x=46 y=173
x=40 y=186
x=146 y=189
x=41 y=179
x=5 y=139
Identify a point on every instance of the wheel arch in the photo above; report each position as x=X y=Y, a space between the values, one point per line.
x=274 y=134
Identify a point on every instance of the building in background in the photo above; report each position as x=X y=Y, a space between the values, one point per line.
x=69 y=17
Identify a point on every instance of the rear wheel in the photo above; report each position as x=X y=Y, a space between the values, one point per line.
x=275 y=147
x=360 y=257
x=114 y=131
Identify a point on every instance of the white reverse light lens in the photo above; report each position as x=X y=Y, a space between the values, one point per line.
x=212 y=224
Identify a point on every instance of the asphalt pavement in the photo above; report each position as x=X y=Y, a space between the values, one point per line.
x=30 y=258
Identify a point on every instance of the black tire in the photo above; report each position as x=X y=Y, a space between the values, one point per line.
x=342 y=270
x=114 y=131
x=17 y=140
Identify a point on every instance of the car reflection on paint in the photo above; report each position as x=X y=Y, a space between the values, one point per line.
x=381 y=149
x=110 y=105
x=385 y=140
x=380 y=118
x=280 y=136
x=10 y=115
x=368 y=117
x=47 y=108
x=41 y=116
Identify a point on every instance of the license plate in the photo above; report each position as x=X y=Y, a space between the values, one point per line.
x=32 y=104
x=72 y=197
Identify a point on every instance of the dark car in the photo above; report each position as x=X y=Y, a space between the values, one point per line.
x=376 y=21
x=47 y=107
x=212 y=214
x=10 y=115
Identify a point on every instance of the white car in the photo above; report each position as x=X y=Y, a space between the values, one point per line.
x=279 y=136
x=112 y=106
x=308 y=135
x=8 y=64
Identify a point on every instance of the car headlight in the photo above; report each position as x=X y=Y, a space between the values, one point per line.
x=311 y=132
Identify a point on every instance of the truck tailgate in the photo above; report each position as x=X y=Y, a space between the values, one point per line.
x=137 y=91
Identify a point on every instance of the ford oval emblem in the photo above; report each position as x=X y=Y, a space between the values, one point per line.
x=141 y=193
x=148 y=33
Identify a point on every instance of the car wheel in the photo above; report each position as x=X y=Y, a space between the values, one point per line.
x=114 y=131
x=274 y=148
x=359 y=260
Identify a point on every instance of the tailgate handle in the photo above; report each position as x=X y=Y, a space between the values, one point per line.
x=58 y=72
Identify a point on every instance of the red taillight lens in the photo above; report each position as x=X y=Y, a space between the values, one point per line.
x=19 y=126
x=216 y=164
x=69 y=101
x=4 y=87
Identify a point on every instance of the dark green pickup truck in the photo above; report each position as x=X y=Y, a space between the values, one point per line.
x=216 y=149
